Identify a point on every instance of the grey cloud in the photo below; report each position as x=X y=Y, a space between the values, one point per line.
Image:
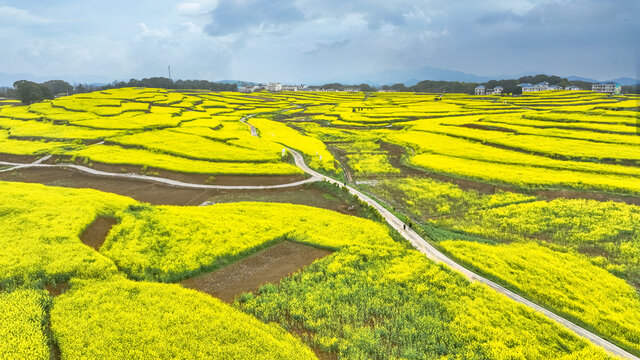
x=375 y=13
x=235 y=16
x=295 y=39
x=323 y=46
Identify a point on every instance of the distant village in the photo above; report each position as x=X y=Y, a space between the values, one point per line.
x=603 y=87
x=276 y=86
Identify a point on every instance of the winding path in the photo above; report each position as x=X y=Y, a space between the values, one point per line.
x=154 y=179
x=254 y=131
x=416 y=240
x=16 y=166
x=434 y=254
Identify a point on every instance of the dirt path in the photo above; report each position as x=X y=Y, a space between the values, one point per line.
x=16 y=166
x=254 y=131
x=153 y=179
x=158 y=194
x=267 y=266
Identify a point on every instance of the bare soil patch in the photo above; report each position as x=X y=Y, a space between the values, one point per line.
x=263 y=98
x=57 y=289
x=395 y=155
x=267 y=266
x=137 y=189
x=300 y=195
x=157 y=194
x=577 y=194
x=95 y=234
x=488 y=127
x=25 y=159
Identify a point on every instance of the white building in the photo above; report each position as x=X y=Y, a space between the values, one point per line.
x=526 y=87
x=607 y=88
x=555 y=87
x=290 y=88
x=274 y=86
x=480 y=90
x=572 y=88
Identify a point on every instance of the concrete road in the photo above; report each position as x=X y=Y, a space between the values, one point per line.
x=434 y=254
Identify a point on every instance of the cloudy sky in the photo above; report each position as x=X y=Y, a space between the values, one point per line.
x=305 y=40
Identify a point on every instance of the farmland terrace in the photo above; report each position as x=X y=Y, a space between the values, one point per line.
x=311 y=207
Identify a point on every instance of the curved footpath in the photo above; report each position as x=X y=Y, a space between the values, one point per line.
x=434 y=254
x=416 y=240
x=154 y=179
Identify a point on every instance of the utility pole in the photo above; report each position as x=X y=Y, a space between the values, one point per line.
x=169 y=72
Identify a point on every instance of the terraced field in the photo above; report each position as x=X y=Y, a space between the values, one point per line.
x=152 y=130
x=539 y=193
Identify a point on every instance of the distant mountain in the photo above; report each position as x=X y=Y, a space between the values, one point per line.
x=409 y=77
x=626 y=81
x=580 y=78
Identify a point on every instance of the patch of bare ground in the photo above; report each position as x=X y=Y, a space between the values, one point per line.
x=263 y=98
x=267 y=266
x=57 y=289
x=137 y=189
x=210 y=179
x=488 y=127
x=95 y=234
x=157 y=194
x=301 y=195
x=396 y=153
x=578 y=194
x=25 y=159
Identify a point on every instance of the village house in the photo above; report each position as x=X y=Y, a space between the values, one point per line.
x=250 y=88
x=607 y=88
x=274 y=86
x=572 y=88
x=291 y=87
x=481 y=90
x=542 y=86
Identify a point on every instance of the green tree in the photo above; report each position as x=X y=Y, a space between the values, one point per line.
x=29 y=92
x=58 y=87
x=366 y=87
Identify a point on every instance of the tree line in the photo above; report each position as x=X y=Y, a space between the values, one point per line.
x=29 y=92
x=510 y=86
